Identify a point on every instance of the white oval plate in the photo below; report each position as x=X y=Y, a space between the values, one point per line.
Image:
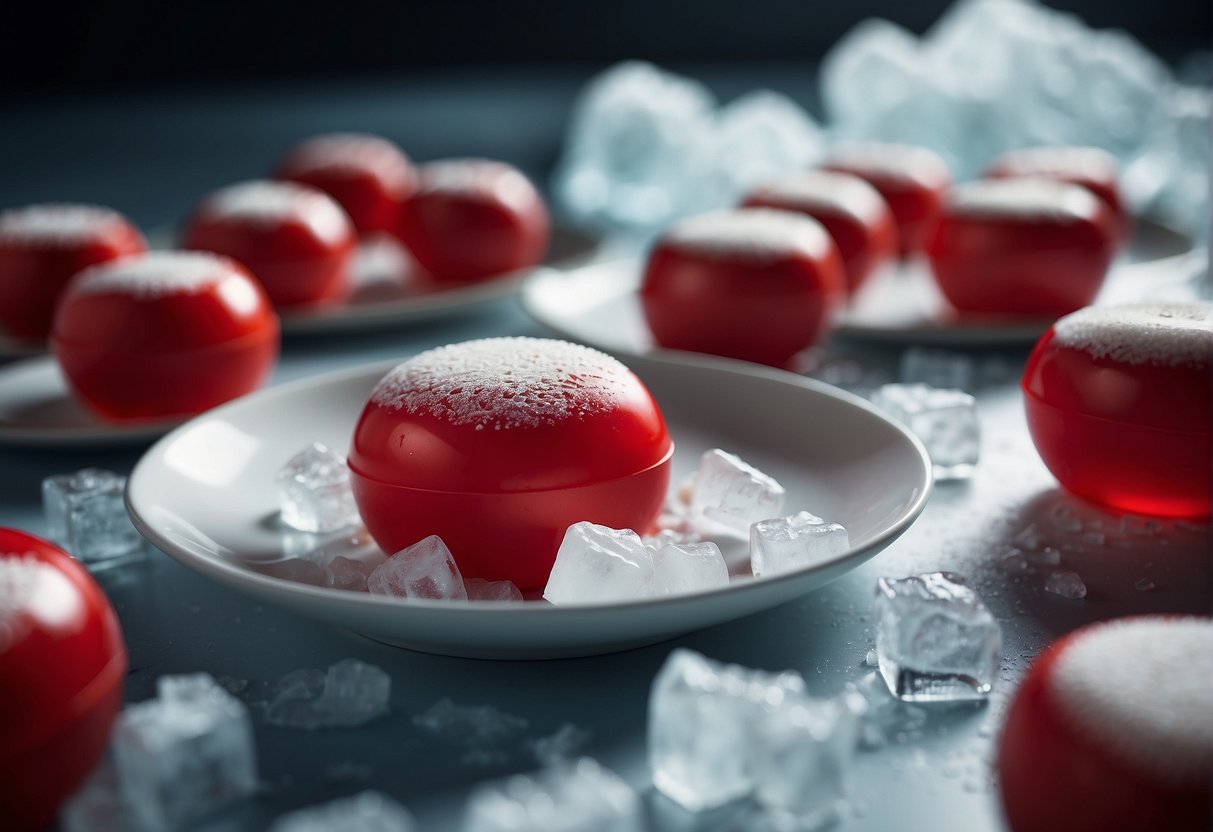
x=205 y=495
x=38 y=410
x=598 y=304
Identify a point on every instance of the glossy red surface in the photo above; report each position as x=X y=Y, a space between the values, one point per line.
x=474 y=219
x=1136 y=437
x=62 y=665
x=1092 y=168
x=130 y=357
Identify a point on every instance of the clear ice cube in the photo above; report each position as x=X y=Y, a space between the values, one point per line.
x=348 y=694
x=85 y=514
x=679 y=536
x=1067 y=584
x=582 y=796
x=702 y=717
x=938 y=368
x=314 y=491
x=680 y=569
x=349 y=574
x=424 y=570
x=597 y=564
x=369 y=811
x=945 y=420
x=733 y=494
x=785 y=544
x=935 y=639
x=184 y=754
x=479 y=589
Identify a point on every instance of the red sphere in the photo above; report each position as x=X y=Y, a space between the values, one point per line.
x=164 y=335
x=368 y=175
x=1119 y=402
x=62 y=666
x=914 y=181
x=1111 y=729
x=853 y=212
x=754 y=284
x=1092 y=168
x=294 y=239
x=1026 y=247
x=498 y=446
x=41 y=247
x=473 y=219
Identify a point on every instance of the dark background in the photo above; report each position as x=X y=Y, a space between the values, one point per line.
x=120 y=44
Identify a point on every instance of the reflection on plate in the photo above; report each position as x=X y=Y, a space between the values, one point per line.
x=598 y=305
x=37 y=410
x=204 y=494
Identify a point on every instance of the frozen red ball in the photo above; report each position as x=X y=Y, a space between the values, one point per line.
x=1119 y=402
x=1092 y=168
x=1112 y=730
x=296 y=240
x=62 y=666
x=853 y=212
x=41 y=247
x=754 y=284
x=499 y=445
x=914 y=181
x=1022 y=247
x=164 y=335
x=473 y=219
x=368 y=175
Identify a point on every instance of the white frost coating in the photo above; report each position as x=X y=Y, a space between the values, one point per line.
x=349 y=153
x=900 y=162
x=155 y=274
x=57 y=224
x=269 y=205
x=1092 y=162
x=1169 y=334
x=506 y=383
x=1140 y=689
x=1026 y=199
x=478 y=179
x=758 y=235
x=833 y=193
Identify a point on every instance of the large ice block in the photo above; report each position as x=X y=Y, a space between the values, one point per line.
x=85 y=514
x=582 y=796
x=597 y=564
x=424 y=570
x=314 y=491
x=945 y=420
x=785 y=544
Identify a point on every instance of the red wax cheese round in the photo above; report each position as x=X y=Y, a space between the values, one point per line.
x=1092 y=168
x=294 y=239
x=41 y=247
x=62 y=665
x=368 y=175
x=472 y=219
x=1026 y=247
x=1112 y=730
x=754 y=284
x=1119 y=402
x=854 y=214
x=498 y=446
x=164 y=334
x=913 y=180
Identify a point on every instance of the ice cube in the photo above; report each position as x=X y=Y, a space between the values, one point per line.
x=597 y=564
x=733 y=493
x=937 y=368
x=314 y=491
x=424 y=570
x=702 y=715
x=582 y=796
x=679 y=536
x=935 y=639
x=85 y=515
x=804 y=751
x=479 y=589
x=945 y=420
x=366 y=812
x=1067 y=584
x=785 y=544
x=99 y=806
x=348 y=694
x=184 y=754
x=349 y=574
x=680 y=569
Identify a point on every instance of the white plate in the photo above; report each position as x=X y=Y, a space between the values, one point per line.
x=204 y=494
x=598 y=304
x=37 y=410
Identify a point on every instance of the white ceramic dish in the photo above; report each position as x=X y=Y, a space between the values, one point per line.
x=204 y=494
x=598 y=304
x=37 y=410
